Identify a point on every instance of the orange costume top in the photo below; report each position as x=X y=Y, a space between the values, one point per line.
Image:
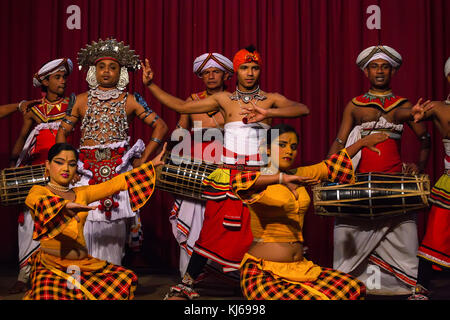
x=276 y=216
x=58 y=231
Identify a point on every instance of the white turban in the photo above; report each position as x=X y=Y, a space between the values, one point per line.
x=52 y=67
x=212 y=60
x=379 y=52
x=447 y=67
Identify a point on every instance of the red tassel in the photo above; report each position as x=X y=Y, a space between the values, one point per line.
x=21 y=218
x=86 y=165
x=119 y=161
x=115 y=204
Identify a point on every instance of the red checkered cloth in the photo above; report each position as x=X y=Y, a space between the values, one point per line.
x=141 y=184
x=258 y=284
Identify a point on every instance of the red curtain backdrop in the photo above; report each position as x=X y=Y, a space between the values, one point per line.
x=309 y=48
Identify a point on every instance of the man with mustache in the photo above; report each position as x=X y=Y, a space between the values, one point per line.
x=41 y=121
x=388 y=244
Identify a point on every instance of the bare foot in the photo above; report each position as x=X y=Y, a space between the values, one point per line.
x=18 y=287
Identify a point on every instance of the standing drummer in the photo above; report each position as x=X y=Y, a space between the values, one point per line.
x=187 y=215
x=36 y=137
x=388 y=245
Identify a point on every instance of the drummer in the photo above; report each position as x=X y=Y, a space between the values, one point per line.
x=274 y=266
x=388 y=245
x=187 y=215
x=36 y=136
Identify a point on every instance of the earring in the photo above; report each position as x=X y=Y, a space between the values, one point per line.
x=123 y=79
x=91 y=77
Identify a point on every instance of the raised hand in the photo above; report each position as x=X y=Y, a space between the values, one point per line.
x=157 y=161
x=419 y=109
x=72 y=209
x=147 y=73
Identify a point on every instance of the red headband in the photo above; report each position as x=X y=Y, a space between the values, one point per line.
x=106 y=58
x=245 y=56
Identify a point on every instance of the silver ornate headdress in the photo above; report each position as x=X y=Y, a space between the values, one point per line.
x=109 y=48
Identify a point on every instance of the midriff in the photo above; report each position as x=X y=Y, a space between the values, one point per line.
x=277 y=251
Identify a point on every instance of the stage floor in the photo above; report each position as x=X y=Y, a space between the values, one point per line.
x=153 y=285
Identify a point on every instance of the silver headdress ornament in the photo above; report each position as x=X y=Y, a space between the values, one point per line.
x=110 y=47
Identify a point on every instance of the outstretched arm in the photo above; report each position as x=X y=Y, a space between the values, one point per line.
x=419 y=112
x=174 y=103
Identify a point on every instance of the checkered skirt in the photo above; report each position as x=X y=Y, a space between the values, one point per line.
x=111 y=282
x=258 y=284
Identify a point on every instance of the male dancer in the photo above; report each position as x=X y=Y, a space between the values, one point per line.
x=187 y=215
x=226 y=234
x=105 y=112
x=43 y=120
x=434 y=251
x=390 y=244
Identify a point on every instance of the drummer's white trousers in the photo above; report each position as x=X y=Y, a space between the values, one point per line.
x=381 y=253
x=26 y=245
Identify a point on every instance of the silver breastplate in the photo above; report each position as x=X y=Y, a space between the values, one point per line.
x=105 y=121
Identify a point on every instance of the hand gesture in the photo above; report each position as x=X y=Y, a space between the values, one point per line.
x=72 y=209
x=372 y=140
x=253 y=113
x=157 y=161
x=410 y=168
x=26 y=106
x=418 y=111
x=147 y=73
x=292 y=182
x=75 y=179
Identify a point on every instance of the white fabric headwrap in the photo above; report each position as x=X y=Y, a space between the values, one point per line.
x=52 y=67
x=379 y=52
x=447 y=67
x=212 y=60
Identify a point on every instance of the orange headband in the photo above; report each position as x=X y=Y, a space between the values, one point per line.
x=245 y=56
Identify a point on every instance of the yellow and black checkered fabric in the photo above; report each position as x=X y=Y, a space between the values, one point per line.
x=340 y=168
x=242 y=182
x=108 y=283
x=257 y=284
x=141 y=184
x=48 y=222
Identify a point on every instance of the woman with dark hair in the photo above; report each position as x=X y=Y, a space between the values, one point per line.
x=274 y=266
x=62 y=268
